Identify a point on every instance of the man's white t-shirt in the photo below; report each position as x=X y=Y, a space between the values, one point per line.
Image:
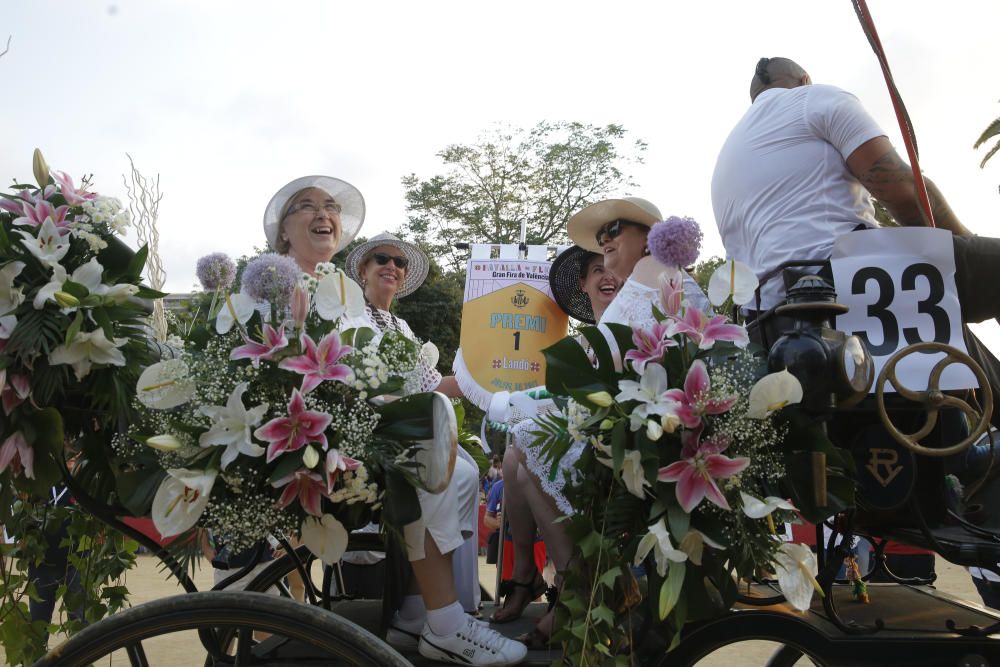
x=781 y=190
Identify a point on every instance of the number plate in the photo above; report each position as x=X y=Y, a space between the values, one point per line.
x=900 y=287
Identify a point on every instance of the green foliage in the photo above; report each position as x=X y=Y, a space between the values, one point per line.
x=991 y=131
x=540 y=175
x=704 y=269
x=100 y=555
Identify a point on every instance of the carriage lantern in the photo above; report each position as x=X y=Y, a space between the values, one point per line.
x=835 y=369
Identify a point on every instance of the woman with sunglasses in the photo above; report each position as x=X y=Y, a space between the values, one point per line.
x=441 y=545
x=387 y=268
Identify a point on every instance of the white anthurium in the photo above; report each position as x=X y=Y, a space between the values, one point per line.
x=326 y=537
x=237 y=307
x=773 y=392
x=732 y=279
x=430 y=354
x=181 y=499
x=232 y=425
x=49 y=245
x=657 y=540
x=337 y=295
x=165 y=385
x=796 y=570
x=633 y=474
x=758 y=509
x=88 y=348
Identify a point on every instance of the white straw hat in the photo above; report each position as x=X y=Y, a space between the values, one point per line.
x=583 y=226
x=416 y=270
x=352 y=206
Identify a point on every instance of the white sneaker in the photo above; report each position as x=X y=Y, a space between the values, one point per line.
x=474 y=644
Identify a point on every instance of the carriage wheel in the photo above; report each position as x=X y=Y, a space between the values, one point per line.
x=327 y=638
x=933 y=399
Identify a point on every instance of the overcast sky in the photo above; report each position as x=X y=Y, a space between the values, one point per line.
x=227 y=101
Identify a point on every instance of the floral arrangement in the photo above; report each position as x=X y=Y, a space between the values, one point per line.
x=684 y=457
x=266 y=423
x=73 y=340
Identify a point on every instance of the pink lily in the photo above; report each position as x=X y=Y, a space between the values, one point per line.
x=308 y=486
x=319 y=363
x=335 y=464
x=273 y=341
x=299 y=428
x=672 y=293
x=18 y=455
x=35 y=215
x=705 y=330
x=12 y=206
x=70 y=193
x=13 y=390
x=300 y=306
x=651 y=344
x=695 y=399
x=701 y=464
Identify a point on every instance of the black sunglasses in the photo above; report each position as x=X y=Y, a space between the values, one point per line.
x=613 y=229
x=382 y=259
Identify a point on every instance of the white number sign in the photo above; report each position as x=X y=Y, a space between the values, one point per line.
x=900 y=287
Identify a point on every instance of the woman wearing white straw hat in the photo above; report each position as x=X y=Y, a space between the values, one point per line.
x=439 y=545
x=617 y=229
x=310 y=219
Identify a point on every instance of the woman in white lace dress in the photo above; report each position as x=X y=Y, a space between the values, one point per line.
x=616 y=228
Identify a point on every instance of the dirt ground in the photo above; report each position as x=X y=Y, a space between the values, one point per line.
x=147 y=583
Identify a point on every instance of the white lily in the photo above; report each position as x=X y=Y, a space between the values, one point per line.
x=49 y=289
x=165 y=385
x=181 y=499
x=231 y=426
x=758 y=509
x=326 y=537
x=49 y=246
x=732 y=279
x=797 y=574
x=649 y=391
x=164 y=443
x=337 y=295
x=633 y=474
x=657 y=540
x=88 y=348
x=773 y=392
x=10 y=298
x=236 y=307
x=89 y=275
x=693 y=544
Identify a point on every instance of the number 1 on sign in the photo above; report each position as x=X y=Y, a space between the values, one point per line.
x=517 y=341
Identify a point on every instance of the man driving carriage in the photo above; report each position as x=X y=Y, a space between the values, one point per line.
x=800 y=168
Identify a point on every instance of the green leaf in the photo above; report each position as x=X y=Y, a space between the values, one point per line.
x=599 y=344
x=618 y=437
x=74 y=328
x=679 y=521
x=609 y=577
x=150 y=293
x=138 y=262
x=409 y=418
x=671 y=589
x=287 y=464
x=567 y=367
x=590 y=544
x=136 y=489
x=603 y=614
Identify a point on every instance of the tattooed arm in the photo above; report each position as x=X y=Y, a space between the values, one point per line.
x=890 y=180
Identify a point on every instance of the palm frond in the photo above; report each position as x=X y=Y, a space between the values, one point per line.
x=988 y=133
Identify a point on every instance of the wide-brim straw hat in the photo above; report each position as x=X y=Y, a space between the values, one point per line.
x=583 y=226
x=352 y=206
x=416 y=270
x=564 y=279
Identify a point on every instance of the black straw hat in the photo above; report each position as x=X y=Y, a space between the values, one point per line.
x=564 y=279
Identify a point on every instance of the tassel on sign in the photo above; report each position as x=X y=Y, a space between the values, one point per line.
x=859 y=589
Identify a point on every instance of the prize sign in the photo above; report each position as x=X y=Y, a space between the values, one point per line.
x=508 y=318
x=899 y=284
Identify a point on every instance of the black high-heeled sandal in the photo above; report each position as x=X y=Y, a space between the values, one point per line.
x=536 y=587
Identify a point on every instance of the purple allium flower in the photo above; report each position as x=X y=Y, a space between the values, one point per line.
x=271 y=277
x=216 y=271
x=675 y=241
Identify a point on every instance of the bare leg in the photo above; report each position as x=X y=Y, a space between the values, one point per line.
x=434 y=577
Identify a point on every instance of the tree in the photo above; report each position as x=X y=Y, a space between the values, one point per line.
x=540 y=175
x=991 y=131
